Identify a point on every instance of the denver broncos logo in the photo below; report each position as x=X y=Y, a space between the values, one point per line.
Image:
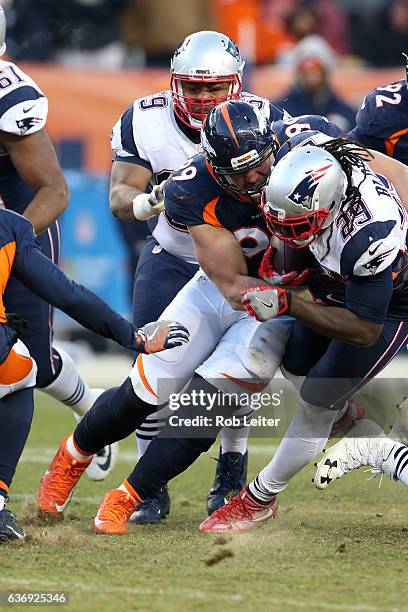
x=302 y=194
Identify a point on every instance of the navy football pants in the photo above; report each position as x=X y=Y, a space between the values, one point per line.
x=336 y=370
x=159 y=277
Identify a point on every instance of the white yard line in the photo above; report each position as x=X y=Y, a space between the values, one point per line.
x=44 y=455
x=187 y=593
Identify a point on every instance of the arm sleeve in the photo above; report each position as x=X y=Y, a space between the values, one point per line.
x=369 y=297
x=46 y=280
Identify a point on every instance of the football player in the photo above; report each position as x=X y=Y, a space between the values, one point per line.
x=216 y=195
x=381 y=125
x=328 y=199
x=32 y=183
x=21 y=255
x=381 y=122
x=153 y=137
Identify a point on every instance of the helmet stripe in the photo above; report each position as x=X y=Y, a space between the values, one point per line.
x=224 y=112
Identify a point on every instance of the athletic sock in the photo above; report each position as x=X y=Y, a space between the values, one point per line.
x=165 y=459
x=73 y=450
x=114 y=416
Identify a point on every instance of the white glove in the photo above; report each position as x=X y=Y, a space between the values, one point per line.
x=147 y=205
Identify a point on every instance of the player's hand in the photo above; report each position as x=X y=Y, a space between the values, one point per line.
x=147 y=205
x=161 y=335
x=267 y=272
x=266 y=302
x=16 y=322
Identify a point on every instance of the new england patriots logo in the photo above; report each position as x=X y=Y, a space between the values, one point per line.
x=302 y=194
x=27 y=123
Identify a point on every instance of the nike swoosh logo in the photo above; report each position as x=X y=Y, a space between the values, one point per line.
x=26 y=110
x=98 y=522
x=267 y=304
x=63 y=506
x=151 y=336
x=372 y=251
x=333 y=299
x=15 y=532
x=106 y=464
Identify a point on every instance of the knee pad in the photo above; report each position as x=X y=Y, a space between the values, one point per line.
x=18 y=370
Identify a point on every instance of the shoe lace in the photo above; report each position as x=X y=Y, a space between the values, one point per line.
x=371 y=454
x=64 y=471
x=236 y=508
x=118 y=510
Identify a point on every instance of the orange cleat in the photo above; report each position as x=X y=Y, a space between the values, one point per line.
x=240 y=514
x=114 y=512
x=59 y=481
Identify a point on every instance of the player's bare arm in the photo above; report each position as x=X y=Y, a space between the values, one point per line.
x=337 y=323
x=35 y=160
x=221 y=257
x=127 y=181
x=395 y=171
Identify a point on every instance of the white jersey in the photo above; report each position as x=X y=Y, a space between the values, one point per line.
x=23 y=111
x=23 y=106
x=148 y=134
x=366 y=238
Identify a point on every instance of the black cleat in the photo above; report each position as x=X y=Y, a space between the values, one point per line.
x=230 y=478
x=9 y=530
x=153 y=509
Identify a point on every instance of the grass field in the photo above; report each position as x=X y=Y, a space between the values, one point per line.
x=345 y=549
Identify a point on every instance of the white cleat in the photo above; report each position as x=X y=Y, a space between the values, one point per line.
x=105 y=459
x=103 y=462
x=365 y=444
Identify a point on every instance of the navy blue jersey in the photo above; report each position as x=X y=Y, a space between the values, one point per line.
x=288 y=128
x=20 y=254
x=194 y=197
x=382 y=121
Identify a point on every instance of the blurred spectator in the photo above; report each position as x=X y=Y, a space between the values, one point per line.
x=29 y=36
x=158 y=26
x=81 y=33
x=379 y=30
x=312 y=93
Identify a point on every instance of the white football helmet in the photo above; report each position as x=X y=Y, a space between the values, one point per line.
x=2 y=31
x=204 y=57
x=303 y=195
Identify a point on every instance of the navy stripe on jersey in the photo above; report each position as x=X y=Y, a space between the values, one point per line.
x=134 y=159
x=21 y=94
x=275 y=112
x=360 y=242
x=126 y=132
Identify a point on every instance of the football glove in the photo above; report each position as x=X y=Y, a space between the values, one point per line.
x=16 y=322
x=147 y=205
x=266 y=302
x=267 y=272
x=161 y=335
